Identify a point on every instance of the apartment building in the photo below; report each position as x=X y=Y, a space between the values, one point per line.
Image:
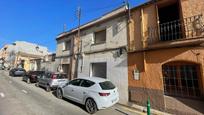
x=100 y=51
x=165 y=55
x=19 y=54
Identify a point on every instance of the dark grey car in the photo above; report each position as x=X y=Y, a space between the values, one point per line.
x=17 y=72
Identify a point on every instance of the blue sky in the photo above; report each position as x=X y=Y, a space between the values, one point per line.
x=40 y=21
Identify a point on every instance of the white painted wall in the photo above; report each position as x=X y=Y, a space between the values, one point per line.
x=117 y=68
x=114 y=39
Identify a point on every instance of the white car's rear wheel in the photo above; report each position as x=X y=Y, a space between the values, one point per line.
x=59 y=93
x=91 y=106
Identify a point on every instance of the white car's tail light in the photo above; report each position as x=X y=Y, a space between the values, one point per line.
x=104 y=94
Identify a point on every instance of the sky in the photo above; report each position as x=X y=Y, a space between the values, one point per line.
x=40 y=21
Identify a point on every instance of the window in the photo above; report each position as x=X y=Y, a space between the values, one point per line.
x=100 y=37
x=75 y=82
x=107 y=85
x=181 y=79
x=87 y=83
x=67 y=45
x=48 y=75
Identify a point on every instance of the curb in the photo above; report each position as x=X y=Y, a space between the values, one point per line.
x=130 y=109
x=141 y=109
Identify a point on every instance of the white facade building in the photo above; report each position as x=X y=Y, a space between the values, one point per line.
x=104 y=53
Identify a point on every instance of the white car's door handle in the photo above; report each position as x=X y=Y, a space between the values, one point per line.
x=72 y=90
x=84 y=92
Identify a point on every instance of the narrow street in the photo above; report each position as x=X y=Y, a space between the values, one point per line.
x=20 y=98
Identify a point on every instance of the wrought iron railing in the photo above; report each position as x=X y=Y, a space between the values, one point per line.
x=178 y=29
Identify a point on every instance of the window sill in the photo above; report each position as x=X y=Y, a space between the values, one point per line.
x=65 y=50
x=98 y=43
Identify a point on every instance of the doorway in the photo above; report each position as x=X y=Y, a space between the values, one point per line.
x=169 y=18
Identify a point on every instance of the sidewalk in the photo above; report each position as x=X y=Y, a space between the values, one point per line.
x=141 y=110
x=127 y=110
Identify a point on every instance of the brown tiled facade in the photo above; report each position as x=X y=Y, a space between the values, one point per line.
x=167 y=50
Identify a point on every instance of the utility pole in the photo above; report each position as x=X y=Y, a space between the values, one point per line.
x=80 y=43
x=79 y=24
x=127 y=6
x=79 y=37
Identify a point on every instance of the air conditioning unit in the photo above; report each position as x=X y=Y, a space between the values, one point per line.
x=119 y=52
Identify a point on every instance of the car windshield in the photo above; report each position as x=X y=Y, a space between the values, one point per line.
x=107 y=85
x=38 y=72
x=20 y=69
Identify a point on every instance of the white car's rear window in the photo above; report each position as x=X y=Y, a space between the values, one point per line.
x=107 y=85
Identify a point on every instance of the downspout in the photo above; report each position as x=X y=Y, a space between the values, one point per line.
x=143 y=36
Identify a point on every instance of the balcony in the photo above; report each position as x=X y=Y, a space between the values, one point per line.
x=177 y=31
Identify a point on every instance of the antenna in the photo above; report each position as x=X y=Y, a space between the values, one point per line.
x=64 y=27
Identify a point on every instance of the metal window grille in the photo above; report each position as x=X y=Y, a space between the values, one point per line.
x=181 y=80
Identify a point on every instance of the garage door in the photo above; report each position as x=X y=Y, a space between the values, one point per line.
x=99 y=70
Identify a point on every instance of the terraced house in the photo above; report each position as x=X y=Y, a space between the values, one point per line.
x=165 y=59
x=65 y=53
x=100 y=51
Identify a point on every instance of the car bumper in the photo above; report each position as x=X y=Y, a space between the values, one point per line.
x=33 y=80
x=53 y=86
x=104 y=103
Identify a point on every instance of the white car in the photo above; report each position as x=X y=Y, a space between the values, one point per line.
x=93 y=92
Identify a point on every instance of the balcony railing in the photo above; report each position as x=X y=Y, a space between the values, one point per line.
x=178 y=29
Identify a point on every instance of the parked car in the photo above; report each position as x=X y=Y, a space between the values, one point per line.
x=95 y=93
x=32 y=76
x=17 y=72
x=51 y=80
x=2 y=67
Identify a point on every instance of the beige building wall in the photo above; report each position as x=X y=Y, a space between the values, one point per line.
x=148 y=61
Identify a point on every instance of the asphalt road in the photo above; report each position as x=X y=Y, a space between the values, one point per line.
x=20 y=98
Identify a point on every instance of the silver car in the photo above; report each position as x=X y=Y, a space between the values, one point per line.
x=51 y=80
